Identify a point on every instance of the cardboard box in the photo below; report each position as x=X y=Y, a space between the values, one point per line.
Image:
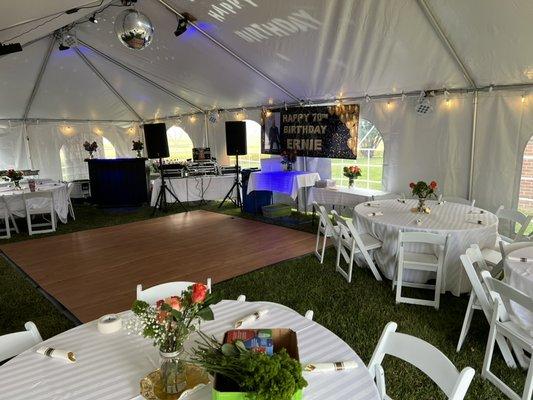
x=224 y=389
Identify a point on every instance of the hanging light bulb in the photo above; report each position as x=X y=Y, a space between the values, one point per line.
x=523 y=98
x=367 y=98
x=192 y=119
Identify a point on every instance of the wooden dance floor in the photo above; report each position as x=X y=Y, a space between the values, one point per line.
x=95 y=272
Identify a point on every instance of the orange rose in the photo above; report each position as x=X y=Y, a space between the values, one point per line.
x=199 y=293
x=433 y=185
x=174 y=302
x=412 y=185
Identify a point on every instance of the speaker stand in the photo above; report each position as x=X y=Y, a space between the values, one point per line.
x=161 y=201
x=236 y=185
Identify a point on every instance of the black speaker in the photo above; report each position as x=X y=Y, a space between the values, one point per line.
x=236 y=138
x=155 y=137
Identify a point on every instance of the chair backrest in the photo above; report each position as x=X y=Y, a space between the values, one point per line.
x=422 y=237
x=507 y=248
x=430 y=360
x=324 y=220
x=514 y=217
x=13 y=344
x=459 y=200
x=478 y=286
x=506 y=293
x=344 y=231
x=386 y=196
x=155 y=293
x=70 y=188
x=38 y=200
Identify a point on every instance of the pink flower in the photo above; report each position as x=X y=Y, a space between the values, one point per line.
x=199 y=293
x=174 y=302
x=433 y=185
x=412 y=185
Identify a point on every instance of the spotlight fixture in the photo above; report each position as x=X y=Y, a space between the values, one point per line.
x=182 y=26
x=93 y=19
x=63 y=47
x=367 y=98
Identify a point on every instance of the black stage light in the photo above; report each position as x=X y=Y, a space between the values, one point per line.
x=10 y=48
x=182 y=26
x=63 y=47
x=93 y=19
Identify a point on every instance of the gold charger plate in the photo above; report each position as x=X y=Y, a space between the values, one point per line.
x=151 y=388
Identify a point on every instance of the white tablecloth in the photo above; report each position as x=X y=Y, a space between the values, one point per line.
x=286 y=182
x=448 y=218
x=342 y=196
x=59 y=195
x=109 y=367
x=520 y=276
x=196 y=188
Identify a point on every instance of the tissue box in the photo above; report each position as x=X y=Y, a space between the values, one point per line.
x=325 y=183
x=282 y=339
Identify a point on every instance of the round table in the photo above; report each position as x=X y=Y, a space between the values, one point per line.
x=466 y=225
x=109 y=367
x=519 y=275
x=16 y=203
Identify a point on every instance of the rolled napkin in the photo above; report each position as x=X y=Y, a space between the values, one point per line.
x=370 y=204
x=375 y=214
x=519 y=259
x=109 y=323
x=329 y=367
x=68 y=356
x=250 y=318
x=418 y=221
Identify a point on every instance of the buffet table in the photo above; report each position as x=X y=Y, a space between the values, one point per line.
x=16 y=205
x=196 y=188
x=466 y=225
x=109 y=367
x=286 y=182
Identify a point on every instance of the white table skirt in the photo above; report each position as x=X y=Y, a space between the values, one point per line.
x=109 y=367
x=16 y=205
x=196 y=188
x=286 y=182
x=448 y=218
x=520 y=276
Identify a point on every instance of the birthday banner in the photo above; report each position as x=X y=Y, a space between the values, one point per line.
x=322 y=131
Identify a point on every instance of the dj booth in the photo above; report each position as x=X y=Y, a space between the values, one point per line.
x=196 y=188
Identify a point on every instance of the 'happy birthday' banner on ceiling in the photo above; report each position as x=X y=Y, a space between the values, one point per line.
x=323 y=131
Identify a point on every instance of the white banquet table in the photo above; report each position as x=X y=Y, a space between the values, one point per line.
x=458 y=220
x=342 y=196
x=16 y=205
x=286 y=182
x=109 y=367
x=196 y=188
x=519 y=275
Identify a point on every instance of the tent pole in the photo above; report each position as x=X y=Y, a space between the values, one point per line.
x=473 y=146
x=106 y=82
x=27 y=144
x=206 y=131
x=138 y=75
x=445 y=41
x=39 y=78
x=230 y=51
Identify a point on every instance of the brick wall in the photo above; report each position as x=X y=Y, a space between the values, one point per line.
x=526 y=181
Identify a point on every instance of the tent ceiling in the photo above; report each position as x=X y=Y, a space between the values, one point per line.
x=315 y=49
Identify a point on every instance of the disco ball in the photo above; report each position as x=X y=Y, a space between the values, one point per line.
x=134 y=29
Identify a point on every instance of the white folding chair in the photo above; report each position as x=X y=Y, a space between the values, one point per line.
x=512 y=217
x=40 y=203
x=420 y=262
x=500 y=324
x=155 y=293
x=10 y=223
x=325 y=230
x=386 y=196
x=458 y=200
x=351 y=243
x=424 y=356
x=13 y=344
x=70 y=187
x=480 y=299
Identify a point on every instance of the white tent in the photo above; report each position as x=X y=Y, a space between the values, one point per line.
x=248 y=53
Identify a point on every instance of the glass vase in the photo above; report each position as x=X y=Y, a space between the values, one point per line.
x=173 y=373
x=139 y=154
x=17 y=185
x=351 y=183
x=421 y=204
x=289 y=166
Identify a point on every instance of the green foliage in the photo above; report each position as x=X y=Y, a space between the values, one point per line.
x=264 y=377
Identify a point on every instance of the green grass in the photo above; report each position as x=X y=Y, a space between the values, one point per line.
x=356 y=312
x=372 y=170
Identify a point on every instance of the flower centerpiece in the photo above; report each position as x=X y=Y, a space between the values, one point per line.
x=260 y=376
x=138 y=146
x=15 y=177
x=288 y=158
x=169 y=323
x=423 y=191
x=352 y=172
x=90 y=147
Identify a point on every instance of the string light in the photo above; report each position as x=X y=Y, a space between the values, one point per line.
x=268 y=113
x=192 y=118
x=367 y=98
x=523 y=98
x=403 y=96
